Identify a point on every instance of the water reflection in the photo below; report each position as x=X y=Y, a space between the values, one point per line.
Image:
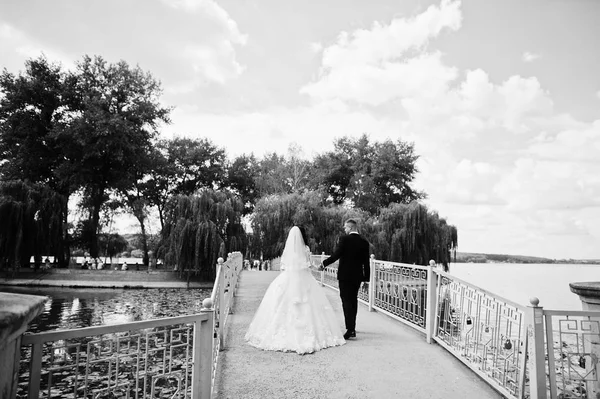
x=83 y=307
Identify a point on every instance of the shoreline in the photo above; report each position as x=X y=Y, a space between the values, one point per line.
x=74 y=278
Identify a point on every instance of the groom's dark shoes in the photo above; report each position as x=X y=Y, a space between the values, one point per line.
x=349 y=334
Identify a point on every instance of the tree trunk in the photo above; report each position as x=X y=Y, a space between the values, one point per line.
x=144 y=242
x=97 y=198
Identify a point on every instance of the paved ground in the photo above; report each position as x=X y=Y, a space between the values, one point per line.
x=386 y=360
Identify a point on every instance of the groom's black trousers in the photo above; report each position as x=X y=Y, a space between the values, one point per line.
x=349 y=294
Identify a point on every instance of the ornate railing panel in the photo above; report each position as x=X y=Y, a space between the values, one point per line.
x=573 y=347
x=483 y=330
x=400 y=290
x=148 y=359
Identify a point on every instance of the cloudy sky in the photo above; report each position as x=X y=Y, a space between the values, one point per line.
x=501 y=98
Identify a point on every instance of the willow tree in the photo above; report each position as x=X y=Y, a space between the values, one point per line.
x=198 y=229
x=31 y=225
x=274 y=215
x=412 y=234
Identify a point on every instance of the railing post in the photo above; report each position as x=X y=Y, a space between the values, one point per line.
x=537 y=353
x=372 y=284
x=202 y=381
x=322 y=271
x=431 y=303
x=18 y=311
x=222 y=304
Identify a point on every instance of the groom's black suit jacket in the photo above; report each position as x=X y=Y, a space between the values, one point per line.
x=353 y=253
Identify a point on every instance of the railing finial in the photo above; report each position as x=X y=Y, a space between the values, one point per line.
x=207 y=304
x=534 y=301
x=220 y=261
x=373 y=256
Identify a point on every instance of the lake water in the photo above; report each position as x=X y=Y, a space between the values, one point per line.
x=84 y=307
x=518 y=282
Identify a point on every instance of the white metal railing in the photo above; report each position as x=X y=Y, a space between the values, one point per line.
x=221 y=301
x=486 y=332
x=169 y=357
x=483 y=330
x=572 y=348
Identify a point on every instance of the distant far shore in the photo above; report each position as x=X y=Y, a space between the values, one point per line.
x=473 y=257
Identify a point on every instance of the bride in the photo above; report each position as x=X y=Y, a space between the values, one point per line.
x=295 y=315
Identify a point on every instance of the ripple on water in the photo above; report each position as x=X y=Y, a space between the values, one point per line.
x=84 y=307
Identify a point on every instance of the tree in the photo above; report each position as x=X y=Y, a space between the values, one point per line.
x=112 y=244
x=198 y=164
x=368 y=175
x=201 y=228
x=33 y=108
x=31 y=223
x=117 y=113
x=272 y=175
x=182 y=166
x=274 y=215
x=297 y=167
x=407 y=233
x=241 y=179
x=410 y=233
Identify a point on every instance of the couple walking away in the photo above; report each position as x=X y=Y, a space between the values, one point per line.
x=295 y=315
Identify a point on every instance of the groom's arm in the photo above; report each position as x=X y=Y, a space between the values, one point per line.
x=336 y=254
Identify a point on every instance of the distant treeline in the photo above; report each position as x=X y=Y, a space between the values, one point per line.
x=470 y=257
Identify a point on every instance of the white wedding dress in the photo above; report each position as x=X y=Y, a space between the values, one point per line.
x=295 y=315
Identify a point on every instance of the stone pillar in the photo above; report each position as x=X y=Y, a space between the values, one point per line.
x=589 y=294
x=16 y=312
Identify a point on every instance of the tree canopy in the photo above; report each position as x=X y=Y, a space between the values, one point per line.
x=92 y=133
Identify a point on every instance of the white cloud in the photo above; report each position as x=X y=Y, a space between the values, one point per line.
x=530 y=57
x=424 y=75
x=186 y=44
x=372 y=66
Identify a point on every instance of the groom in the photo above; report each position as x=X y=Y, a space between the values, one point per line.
x=353 y=253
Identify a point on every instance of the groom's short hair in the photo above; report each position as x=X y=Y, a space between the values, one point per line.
x=352 y=223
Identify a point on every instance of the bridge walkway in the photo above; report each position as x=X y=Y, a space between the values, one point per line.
x=387 y=360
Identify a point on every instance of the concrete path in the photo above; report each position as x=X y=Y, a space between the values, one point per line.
x=386 y=360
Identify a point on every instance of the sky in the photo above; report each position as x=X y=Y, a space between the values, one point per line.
x=500 y=98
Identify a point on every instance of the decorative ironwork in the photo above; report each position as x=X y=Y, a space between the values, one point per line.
x=483 y=330
x=150 y=359
x=165 y=358
x=572 y=345
x=401 y=290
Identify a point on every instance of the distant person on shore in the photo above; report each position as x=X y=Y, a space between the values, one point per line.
x=124 y=266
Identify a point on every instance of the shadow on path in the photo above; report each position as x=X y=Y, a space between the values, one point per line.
x=386 y=360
